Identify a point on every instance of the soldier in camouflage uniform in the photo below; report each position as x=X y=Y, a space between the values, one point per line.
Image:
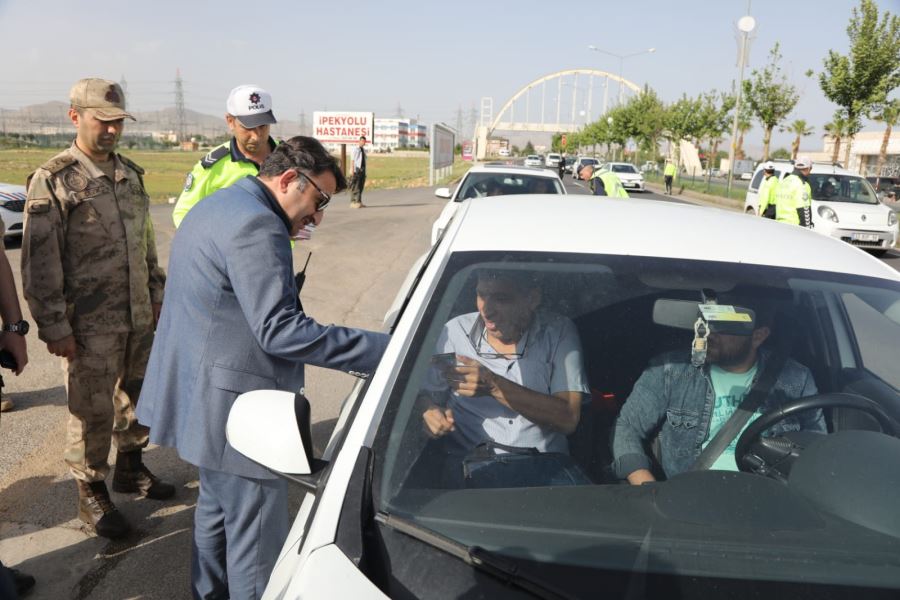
x=91 y=278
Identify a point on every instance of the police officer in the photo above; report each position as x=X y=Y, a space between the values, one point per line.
x=358 y=177
x=604 y=183
x=249 y=116
x=95 y=289
x=767 y=191
x=669 y=175
x=794 y=195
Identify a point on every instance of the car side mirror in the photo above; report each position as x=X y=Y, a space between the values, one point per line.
x=443 y=193
x=272 y=428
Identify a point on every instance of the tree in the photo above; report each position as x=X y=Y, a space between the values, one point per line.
x=681 y=122
x=861 y=81
x=644 y=119
x=770 y=97
x=715 y=116
x=782 y=153
x=889 y=115
x=837 y=129
x=528 y=149
x=800 y=129
x=744 y=125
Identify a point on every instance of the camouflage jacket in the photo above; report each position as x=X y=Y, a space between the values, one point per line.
x=89 y=262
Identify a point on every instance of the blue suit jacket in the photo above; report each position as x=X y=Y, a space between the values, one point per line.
x=231 y=323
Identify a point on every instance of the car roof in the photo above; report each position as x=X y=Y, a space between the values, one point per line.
x=817 y=168
x=586 y=224
x=512 y=169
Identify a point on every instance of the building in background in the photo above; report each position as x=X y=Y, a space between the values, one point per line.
x=865 y=149
x=398 y=134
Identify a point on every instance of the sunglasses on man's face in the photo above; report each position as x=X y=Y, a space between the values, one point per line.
x=324 y=198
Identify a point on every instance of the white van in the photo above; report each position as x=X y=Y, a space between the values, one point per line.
x=844 y=206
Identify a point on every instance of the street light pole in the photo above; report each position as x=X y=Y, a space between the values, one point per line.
x=621 y=58
x=745 y=25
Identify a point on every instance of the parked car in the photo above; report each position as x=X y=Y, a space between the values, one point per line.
x=628 y=174
x=495 y=180
x=12 y=207
x=844 y=206
x=503 y=152
x=552 y=160
x=808 y=514
x=580 y=163
x=533 y=160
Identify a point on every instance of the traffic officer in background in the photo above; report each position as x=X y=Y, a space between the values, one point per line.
x=669 y=173
x=767 y=191
x=95 y=289
x=794 y=195
x=358 y=176
x=249 y=116
x=604 y=183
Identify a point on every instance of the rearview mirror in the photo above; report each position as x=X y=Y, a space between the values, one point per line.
x=443 y=193
x=272 y=428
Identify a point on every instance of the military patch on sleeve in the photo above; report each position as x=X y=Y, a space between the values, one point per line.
x=74 y=180
x=215 y=156
x=40 y=205
x=188 y=182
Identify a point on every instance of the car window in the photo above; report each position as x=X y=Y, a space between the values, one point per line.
x=623 y=169
x=597 y=325
x=841 y=188
x=757 y=179
x=876 y=320
x=477 y=185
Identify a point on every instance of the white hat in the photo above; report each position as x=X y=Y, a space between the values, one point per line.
x=252 y=106
x=769 y=166
x=803 y=162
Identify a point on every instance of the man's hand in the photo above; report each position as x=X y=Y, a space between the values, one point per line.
x=15 y=343
x=439 y=421
x=157 y=308
x=470 y=378
x=64 y=347
x=640 y=476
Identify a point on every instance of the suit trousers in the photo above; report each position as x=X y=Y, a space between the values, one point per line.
x=240 y=525
x=103 y=384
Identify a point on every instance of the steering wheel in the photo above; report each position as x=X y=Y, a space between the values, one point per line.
x=751 y=446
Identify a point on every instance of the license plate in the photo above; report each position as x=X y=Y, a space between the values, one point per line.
x=864 y=237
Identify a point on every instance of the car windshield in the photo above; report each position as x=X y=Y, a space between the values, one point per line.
x=624 y=169
x=589 y=161
x=478 y=443
x=477 y=185
x=533 y=157
x=842 y=188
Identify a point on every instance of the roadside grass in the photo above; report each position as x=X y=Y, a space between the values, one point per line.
x=717 y=187
x=165 y=171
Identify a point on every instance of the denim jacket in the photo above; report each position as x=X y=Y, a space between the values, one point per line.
x=677 y=399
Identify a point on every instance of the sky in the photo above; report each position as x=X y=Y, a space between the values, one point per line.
x=430 y=58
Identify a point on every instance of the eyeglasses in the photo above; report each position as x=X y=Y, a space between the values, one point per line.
x=478 y=334
x=324 y=198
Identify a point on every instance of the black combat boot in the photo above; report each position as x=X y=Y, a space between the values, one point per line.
x=133 y=477
x=97 y=510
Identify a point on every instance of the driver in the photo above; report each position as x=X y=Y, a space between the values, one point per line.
x=688 y=405
x=515 y=374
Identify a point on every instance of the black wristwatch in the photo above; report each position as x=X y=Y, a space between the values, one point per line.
x=20 y=327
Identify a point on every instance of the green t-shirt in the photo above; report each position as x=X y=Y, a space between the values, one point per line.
x=730 y=389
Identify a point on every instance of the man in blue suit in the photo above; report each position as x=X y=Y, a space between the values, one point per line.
x=231 y=324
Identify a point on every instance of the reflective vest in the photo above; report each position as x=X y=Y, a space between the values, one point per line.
x=611 y=184
x=768 y=190
x=220 y=168
x=670 y=170
x=794 y=201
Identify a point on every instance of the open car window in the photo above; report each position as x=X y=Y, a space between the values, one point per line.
x=627 y=315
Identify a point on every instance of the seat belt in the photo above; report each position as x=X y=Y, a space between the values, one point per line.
x=736 y=423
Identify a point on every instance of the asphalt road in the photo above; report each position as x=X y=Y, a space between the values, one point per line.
x=360 y=258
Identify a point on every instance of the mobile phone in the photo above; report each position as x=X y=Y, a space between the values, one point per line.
x=444 y=361
x=7 y=360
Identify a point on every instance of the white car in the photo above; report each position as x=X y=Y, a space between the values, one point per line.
x=390 y=512
x=628 y=174
x=494 y=180
x=844 y=206
x=503 y=152
x=12 y=208
x=552 y=160
x=533 y=160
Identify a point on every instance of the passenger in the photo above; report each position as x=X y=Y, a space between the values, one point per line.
x=827 y=190
x=688 y=405
x=493 y=188
x=515 y=374
x=542 y=186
